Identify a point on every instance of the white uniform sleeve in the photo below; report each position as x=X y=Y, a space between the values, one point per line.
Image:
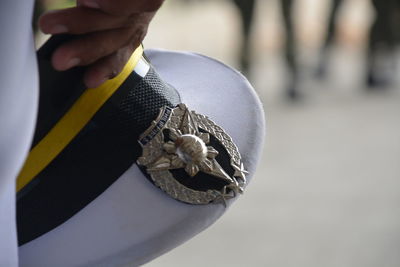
x=18 y=107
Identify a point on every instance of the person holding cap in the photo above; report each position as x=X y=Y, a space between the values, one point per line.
x=109 y=165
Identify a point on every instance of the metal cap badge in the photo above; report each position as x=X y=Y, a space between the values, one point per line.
x=191 y=158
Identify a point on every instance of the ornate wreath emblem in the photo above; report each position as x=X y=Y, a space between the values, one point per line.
x=191 y=158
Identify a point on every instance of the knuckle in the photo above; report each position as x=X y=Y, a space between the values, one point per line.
x=139 y=21
x=131 y=21
x=137 y=36
x=141 y=33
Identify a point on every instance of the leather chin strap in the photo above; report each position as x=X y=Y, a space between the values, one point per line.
x=85 y=139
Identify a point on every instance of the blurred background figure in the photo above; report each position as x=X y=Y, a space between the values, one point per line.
x=329 y=38
x=383 y=41
x=246 y=11
x=290 y=48
x=246 y=8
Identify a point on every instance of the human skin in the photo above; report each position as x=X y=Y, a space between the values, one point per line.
x=110 y=30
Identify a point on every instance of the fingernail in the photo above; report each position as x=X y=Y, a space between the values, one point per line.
x=91 y=4
x=56 y=29
x=73 y=62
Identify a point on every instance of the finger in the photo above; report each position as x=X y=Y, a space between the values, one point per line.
x=80 y=20
x=91 y=47
x=122 y=7
x=107 y=67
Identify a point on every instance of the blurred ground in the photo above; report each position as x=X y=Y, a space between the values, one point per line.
x=327 y=190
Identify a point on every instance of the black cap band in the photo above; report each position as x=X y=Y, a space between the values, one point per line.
x=102 y=151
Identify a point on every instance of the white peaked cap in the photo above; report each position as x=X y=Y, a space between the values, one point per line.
x=134 y=221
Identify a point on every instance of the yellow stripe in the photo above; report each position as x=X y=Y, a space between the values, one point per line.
x=72 y=123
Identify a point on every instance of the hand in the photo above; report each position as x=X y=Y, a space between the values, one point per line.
x=110 y=30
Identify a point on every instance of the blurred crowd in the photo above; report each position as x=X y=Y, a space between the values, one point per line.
x=384 y=36
x=383 y=40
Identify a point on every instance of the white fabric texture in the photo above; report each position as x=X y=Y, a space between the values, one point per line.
x=18 y=104
x=133 y=221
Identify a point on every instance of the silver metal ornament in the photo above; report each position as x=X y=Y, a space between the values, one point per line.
x=187 y=146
